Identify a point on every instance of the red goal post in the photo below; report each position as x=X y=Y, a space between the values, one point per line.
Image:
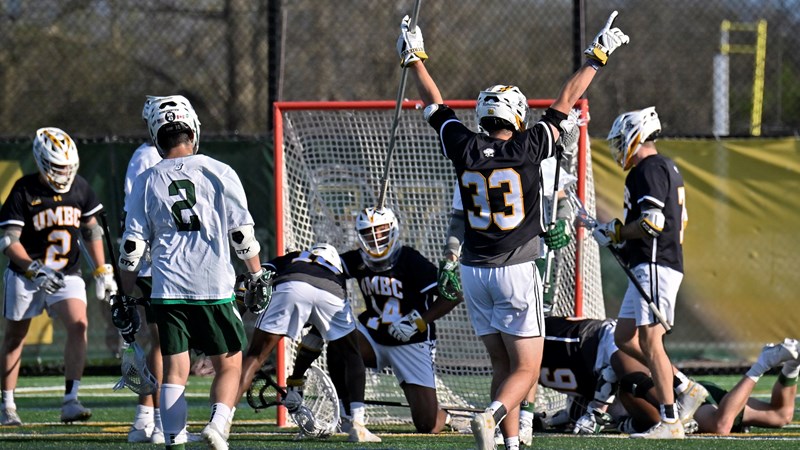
x=329 y=159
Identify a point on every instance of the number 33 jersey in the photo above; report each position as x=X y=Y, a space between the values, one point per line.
x=389 y=295
x=185 y=208
x=50 y=222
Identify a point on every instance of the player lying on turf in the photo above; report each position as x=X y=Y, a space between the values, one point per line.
x=580 y=359
x=726 y=412
x=397 y=328
x=309 y=286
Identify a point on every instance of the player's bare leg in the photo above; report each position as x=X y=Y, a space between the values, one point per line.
x=224 y=396
x=72 y=313
x=261 y=346
x=13 y=342
x=425 y=412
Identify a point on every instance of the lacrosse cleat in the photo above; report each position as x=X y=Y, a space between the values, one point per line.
x=9 y=417
x=360 y=433
x=483 y=426
x=215 y=437
x=157 y=437
x=662 y=430
x=73 y=411
x=689 y=400
x=143 y=434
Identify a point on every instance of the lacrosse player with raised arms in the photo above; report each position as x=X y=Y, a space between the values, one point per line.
x=189 y=209
x=308 y=287
x=650 y=240
x=42 y=219
x=498 y=172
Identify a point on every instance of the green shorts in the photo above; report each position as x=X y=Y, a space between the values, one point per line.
x=715 y=394
x=207 y=329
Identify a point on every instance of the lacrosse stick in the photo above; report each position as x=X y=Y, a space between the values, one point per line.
x=590 y=222
x=406 y=405
x=319 y=414
x=396 y=121
x=135 y=374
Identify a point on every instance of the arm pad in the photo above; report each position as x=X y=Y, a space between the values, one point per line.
x=130 y=254
x=652 y=221
x=243 y=241
x=554 y=117
x=6 y=241
x=92 y=232
x=455 y=233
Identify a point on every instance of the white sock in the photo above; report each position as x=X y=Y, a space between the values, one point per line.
x=144 y=416
x=219 y=415
x=791 y=368
x=157 y=419
x=358 y=412
x=512 y=443
x=173 y=411
x=8 y=399
x=493 y=407
x=526 y=417
x=73 y=392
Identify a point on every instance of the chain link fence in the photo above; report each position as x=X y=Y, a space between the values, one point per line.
x=86 y=65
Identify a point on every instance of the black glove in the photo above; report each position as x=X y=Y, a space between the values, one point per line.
x=254 y=290
x=125 y=316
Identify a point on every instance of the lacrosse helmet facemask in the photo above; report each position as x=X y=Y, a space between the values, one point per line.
x=501 y=107
x=629 y=131
x=378 y=238
x=171 y=115
x=56 y=157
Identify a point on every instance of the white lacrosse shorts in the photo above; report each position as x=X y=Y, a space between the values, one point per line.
x=661 y=283
x=294 y=303
x=23 y=301
x=504 y=299
x=411 y=363
x=606 y=346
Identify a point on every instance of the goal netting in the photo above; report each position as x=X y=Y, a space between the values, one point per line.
x=329 y=160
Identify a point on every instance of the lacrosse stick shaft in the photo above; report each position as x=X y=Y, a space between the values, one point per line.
x=548 y=267
x=642 y=292
x=396 y=121
x=110 y=245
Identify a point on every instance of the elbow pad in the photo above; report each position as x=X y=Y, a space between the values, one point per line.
x=92 y=232
x=130 y=254
x=652 y=221
x=243 y=241
x=428 y=111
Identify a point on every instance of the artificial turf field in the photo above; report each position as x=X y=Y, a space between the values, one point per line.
x=39 y=398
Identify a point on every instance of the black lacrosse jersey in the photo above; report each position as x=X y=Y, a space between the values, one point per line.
x=656 y=181
x=499 y=182
x=389 y=295
x=568 y=358
x=50 y=222
x=309 y=268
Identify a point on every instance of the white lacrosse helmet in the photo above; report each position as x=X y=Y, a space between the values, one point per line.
x=629 y=131
x=378 y=237
x=171 y=114
x=57 y=158
x=501 y=102
x=328 y=253
x=148 y=106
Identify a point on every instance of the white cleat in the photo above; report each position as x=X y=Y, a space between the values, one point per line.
x=215 y=438
x=157 y=437
x=73 y=411
x=690 y=400
x=662 y=430
x=360 y=433
x=9 y=417
x=483 y=426
x=144 y=434
x=526 y=433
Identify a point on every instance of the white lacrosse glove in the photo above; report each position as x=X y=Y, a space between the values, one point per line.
x=410 y=46
x=606 y=41
x=294 y=394
x=608 y=233
x=104 y=284
x=45 y=278
x=592 y=422
x=408 y=326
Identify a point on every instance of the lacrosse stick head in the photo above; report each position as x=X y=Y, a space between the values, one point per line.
x=135 y=374
x=319 y=415
x=262 y=392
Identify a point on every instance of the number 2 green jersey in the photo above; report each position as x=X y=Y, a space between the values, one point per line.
x=185 y=208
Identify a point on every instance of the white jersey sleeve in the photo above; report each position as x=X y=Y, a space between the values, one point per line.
x=145 y=157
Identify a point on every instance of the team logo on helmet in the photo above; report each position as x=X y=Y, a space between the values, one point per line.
x=169 y=116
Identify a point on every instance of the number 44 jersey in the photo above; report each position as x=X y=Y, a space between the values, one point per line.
x=185 y=209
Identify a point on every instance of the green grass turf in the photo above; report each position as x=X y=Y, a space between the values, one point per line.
x=39 y=407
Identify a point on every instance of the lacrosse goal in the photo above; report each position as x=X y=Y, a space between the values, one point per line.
x=329 y=159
